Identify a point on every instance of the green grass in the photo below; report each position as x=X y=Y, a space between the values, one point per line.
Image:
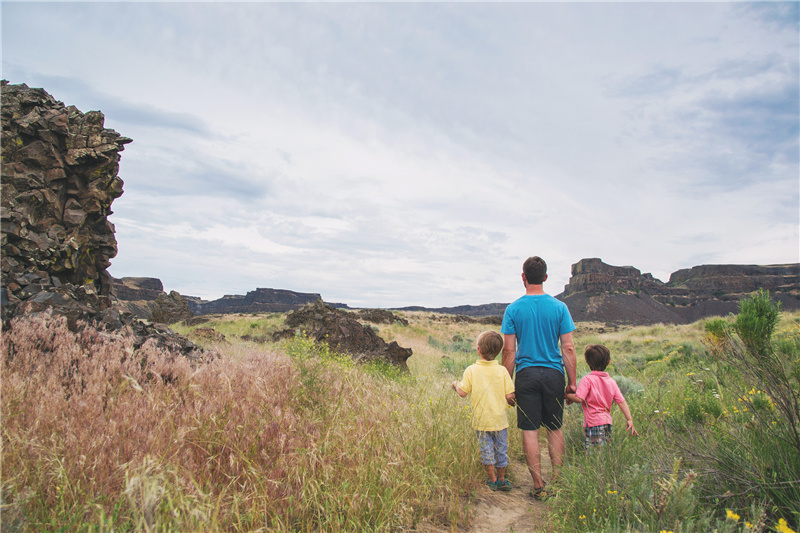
x=290 y=436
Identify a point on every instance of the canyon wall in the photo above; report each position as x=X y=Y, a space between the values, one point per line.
x=605 y=293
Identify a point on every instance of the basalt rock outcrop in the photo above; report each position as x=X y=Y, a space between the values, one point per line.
x=137 y=295
x=170 y=308
x=59 y=178
x=257 y=301
x=623 y=295
x=343 y=333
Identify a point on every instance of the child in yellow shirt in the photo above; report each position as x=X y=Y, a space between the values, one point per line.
x=491 y=389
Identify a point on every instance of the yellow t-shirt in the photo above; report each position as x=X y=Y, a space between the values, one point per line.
x=487 y=383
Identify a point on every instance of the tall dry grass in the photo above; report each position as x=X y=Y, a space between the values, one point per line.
x=99 y=436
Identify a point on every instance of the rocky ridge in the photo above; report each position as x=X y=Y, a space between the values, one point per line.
x=605 y=293
x=257 y=301
x=59 y=178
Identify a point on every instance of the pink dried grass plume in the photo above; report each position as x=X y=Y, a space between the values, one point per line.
x=79 y=409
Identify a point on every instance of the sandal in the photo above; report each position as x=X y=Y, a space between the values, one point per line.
x=493 y=485
x=541 y=494
x=504 y=485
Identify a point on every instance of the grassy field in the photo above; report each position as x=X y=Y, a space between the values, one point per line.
x=288 y=436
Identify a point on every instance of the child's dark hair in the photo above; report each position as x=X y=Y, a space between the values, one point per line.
x=597 y=356
x=490 y=344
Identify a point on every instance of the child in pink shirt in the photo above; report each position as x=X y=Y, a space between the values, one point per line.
x=596 y=393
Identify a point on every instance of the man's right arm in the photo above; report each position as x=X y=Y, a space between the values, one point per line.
x=509 y=353
x=570 y=361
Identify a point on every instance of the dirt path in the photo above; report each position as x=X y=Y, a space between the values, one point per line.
x=506 y=512
x=515 y=511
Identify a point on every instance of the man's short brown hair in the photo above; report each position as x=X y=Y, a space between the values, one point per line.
x=490 y=343
x=597 y=356
x=535 y=270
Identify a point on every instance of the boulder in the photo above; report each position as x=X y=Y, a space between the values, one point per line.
x=169 y=309
x=343 y=333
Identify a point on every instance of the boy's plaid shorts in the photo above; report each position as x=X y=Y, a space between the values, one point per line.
x=596 y=435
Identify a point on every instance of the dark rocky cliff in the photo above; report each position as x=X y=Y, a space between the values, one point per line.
x=59 y=178
x=257 y=301
x=606 y=293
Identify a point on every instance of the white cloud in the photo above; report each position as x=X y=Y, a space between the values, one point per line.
x=415 y=154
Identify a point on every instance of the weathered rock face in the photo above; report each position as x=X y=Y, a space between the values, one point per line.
x=137 y=289
x=137 y=295
x=343 y=333
x=601 y=292
x=59 y=178
x=257 y=301
x=171 y=308
x=594 y=276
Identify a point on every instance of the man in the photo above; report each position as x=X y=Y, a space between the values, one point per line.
x=533 y=326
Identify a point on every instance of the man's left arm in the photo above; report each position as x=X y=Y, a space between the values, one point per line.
x=509 y=356
x=570 y=361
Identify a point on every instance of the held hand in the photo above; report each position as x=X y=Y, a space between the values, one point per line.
x=629 y=427
x=453 y=385
x=572 y=388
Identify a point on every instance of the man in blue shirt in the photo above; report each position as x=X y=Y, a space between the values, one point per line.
x=533 y=327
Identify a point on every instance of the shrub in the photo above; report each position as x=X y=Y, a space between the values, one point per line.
x=755 y=449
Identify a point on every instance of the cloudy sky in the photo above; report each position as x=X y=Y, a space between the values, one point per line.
x=393 y=154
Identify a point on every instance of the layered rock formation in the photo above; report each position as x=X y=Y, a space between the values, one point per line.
x=257 y=301
x=605 y=293
x=59 y=178
x=137 y=295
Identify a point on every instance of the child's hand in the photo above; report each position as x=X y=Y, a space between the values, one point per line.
x=632 y=430
x=454 y=385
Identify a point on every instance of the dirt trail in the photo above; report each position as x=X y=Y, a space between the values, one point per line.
x=515 y=511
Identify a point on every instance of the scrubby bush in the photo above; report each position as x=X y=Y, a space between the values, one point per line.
x=754 y=450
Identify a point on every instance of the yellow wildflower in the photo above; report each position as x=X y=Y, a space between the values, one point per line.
x=783 y=527
x=611 y=492
x=731 y=515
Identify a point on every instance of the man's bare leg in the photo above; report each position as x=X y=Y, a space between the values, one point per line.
x=555 y=445
x=530 y=446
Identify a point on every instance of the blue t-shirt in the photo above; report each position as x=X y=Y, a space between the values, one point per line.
x=538 y=321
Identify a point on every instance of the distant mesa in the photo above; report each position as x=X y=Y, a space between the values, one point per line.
x=596 y=292
x=257 y=301
x=623 y=295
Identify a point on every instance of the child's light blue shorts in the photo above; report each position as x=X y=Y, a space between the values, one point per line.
x=494 y=447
